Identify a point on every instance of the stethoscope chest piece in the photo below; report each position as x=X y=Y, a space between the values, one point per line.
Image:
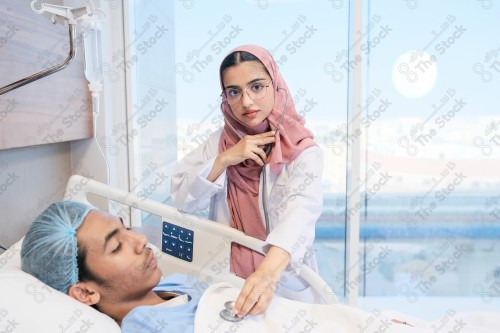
x=227 y=313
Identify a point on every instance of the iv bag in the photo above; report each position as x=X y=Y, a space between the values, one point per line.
x=91 y=32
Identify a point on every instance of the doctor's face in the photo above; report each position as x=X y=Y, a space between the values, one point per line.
x=249 y=91
x=118 y=257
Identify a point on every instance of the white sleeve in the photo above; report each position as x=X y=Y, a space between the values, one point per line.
x=297 y=205
x=190 y=189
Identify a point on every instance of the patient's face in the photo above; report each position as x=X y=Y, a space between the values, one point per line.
x=118 y=256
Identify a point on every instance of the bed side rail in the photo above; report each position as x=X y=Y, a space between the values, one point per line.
x=212 y=240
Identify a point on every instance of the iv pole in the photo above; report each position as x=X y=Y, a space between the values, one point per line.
x=70 y=15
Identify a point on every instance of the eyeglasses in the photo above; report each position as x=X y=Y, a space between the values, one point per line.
x=255 y=91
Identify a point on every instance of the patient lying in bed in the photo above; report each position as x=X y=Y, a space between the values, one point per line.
x=90 y=256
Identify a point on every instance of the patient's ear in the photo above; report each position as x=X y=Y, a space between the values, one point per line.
x=83 y=292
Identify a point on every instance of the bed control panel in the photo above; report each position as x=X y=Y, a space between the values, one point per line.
x=177 y=241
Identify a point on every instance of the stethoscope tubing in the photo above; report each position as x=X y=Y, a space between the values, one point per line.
x=267 y=151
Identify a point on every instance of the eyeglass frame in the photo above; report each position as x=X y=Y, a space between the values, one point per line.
x=223 y=94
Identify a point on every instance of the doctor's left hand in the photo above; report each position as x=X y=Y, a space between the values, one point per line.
x=257 y=294
x=259 y=288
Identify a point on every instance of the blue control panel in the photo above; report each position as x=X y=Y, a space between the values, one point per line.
x=177 y=241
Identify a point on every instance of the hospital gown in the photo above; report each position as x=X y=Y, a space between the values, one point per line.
x=176 y=317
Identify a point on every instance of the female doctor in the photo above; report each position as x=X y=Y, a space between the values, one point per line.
x=261 y=174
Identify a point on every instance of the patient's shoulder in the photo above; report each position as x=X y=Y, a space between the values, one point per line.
x=178 y=318
x=182 y=282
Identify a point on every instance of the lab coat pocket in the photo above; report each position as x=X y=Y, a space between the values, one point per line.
x=279 y=191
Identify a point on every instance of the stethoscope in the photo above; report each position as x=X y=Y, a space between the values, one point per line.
x=228 y=314
x=267 y=150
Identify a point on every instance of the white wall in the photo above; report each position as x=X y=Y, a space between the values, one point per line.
x=39 y=173
x=33 y=177
x=52 y=109
x=30 y=179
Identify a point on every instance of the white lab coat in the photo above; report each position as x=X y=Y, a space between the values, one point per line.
x=295 y=202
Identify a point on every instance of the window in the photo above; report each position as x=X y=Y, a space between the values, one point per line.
x=429 y=126
x=295 y=33
x=430 y=224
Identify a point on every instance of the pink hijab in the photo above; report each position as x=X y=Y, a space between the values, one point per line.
x=243 y=178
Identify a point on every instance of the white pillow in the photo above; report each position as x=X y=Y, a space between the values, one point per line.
x=28 y=305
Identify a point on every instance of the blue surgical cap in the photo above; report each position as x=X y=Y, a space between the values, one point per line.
x=49 y=250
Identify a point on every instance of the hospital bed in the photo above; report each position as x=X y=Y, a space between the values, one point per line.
x=27 y=305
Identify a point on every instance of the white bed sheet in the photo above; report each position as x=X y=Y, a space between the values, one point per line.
x=285 y=315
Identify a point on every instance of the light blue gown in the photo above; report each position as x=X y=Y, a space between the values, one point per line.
x=179 y=318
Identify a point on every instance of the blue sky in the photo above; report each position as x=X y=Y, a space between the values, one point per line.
x=312 y=35
x=409 y=29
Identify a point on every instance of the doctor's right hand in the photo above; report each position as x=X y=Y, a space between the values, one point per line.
x=250 y=147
